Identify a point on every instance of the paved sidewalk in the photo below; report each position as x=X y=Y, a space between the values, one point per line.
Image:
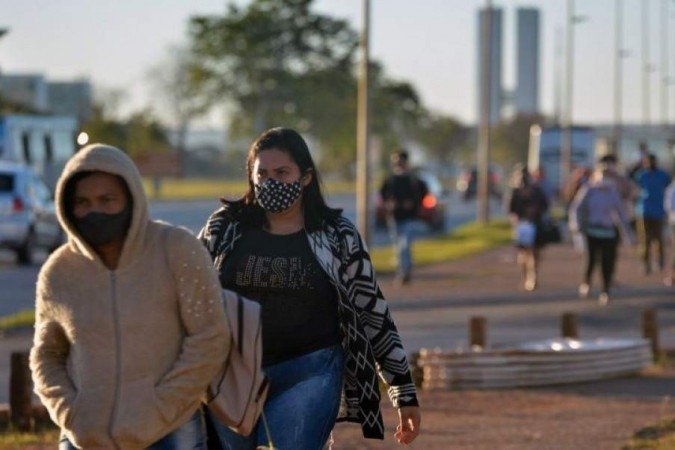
x=494 y=276
x=589 y=416
x=595 y=415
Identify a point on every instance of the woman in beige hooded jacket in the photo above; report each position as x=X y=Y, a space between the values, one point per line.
x=129 y=327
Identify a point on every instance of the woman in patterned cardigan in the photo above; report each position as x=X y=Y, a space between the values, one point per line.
x=327 y=330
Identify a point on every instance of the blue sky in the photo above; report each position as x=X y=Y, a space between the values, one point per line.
x=428 y=42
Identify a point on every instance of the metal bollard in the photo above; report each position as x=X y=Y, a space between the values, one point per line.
x=570 y=326
x=416 y=370
x=477 y=332
x=650 y=330
x=20 y=392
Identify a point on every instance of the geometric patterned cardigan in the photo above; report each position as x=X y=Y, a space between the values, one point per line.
x=369 y=336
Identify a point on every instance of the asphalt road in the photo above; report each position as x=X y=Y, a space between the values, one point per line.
x=17 y=284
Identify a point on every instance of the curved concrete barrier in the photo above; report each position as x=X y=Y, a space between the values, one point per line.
x=536 y=363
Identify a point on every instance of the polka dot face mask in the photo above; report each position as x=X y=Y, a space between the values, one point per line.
x=276 y=196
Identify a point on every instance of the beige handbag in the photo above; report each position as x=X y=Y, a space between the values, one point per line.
x=236 y=395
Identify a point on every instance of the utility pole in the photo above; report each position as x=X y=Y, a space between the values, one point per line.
x=557 y=76
x=566 y=126
x=665 y=79
x=482 y=191
x=671 y=80
x=618 y=75
x=3 y=31
x=362 y=129
x=646 y=66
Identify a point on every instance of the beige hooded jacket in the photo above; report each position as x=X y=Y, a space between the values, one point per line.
x=121 y=358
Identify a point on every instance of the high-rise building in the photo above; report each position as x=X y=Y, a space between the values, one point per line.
x=495 y=63
x=70 y=98
x=29 y=90
x=63 y=98
x=527 y=61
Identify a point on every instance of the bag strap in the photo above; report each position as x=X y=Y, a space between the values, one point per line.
x=270 y=444
x=240 y=322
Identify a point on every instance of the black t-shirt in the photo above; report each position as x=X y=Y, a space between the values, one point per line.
x=528 y=202
x=299 y=303
x=407 y=192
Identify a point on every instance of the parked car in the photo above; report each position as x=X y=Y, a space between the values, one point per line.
x=467 y=183
x=433 y=206
x=27 y=215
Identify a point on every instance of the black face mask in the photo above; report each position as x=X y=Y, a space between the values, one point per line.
x=100 y=228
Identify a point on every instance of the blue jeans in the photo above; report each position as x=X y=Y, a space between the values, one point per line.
x=402 y=234
x=301 y=406
x=189 y=436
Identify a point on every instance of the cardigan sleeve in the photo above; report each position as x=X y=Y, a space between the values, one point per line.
x=379 y=326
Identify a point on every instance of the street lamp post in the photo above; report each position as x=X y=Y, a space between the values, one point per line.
x=618 y=74
x=566 y=125
x=362 y=129
x=483 y=157
x=3 y=31
x=665 y=79
x=646 y=65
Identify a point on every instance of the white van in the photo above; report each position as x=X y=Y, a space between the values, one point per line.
x=43 y=143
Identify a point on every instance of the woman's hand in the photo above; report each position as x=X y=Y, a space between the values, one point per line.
x=409 y=424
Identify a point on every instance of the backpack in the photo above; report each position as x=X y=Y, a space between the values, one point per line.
x=237 y=394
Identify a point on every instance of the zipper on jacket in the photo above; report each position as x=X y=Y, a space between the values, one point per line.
x=118 y=358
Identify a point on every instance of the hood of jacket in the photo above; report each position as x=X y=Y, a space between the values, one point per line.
x=108 y=159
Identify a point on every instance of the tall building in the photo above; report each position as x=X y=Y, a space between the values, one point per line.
x=495 y=63
x=63 y=98
x=70 y=98
x=29 y=90
x=527 y=61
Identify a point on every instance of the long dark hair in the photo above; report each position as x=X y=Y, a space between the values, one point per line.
x=314 y=207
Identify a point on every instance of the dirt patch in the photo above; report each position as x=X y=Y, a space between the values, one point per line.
x=585 y=418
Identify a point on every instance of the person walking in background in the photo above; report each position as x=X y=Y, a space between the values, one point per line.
x=327 y=328
x=653 y=182
x=129 y=327
x=539 y=178
x=527 y=205
x=402 y=193
x=578 y=178
x=638 y=165
x=627 y=188
x=669 y=206
x=598 y=213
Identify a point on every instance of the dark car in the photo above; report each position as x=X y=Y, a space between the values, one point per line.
x=432 y=208
x=467 y=183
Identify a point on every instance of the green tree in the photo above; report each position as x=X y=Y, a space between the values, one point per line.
x=145 y=135
x=138 y=135
x=180 y=102
x=101 y=128
x=276 y=62
x=262 y=57
x=510 y=139
x=443 y=137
